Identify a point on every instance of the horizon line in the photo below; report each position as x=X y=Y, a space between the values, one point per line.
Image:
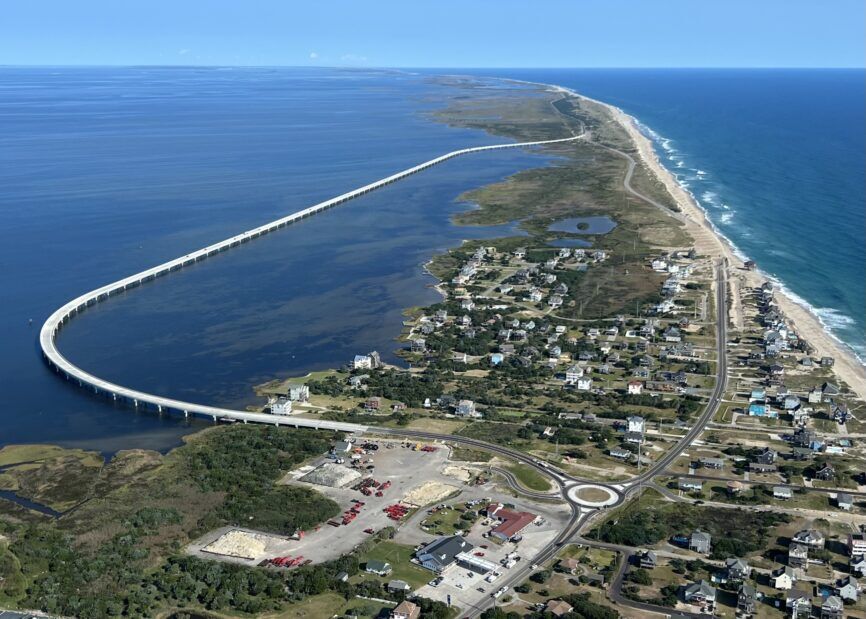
x=434 y=68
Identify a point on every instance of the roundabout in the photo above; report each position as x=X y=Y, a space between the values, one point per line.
x=593 y=495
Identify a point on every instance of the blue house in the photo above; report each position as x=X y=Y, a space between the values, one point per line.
x=762 y=410
x=496 y=358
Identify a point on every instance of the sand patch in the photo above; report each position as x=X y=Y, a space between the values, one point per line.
x=461 y=473
x=429 y=492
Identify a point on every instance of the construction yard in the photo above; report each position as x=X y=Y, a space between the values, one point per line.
x=385 y=486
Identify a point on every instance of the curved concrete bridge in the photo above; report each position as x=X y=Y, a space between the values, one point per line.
x=141 y=399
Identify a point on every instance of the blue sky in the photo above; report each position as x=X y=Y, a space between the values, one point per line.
x=441 y=33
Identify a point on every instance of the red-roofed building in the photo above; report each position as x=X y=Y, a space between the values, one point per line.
x=511 y=522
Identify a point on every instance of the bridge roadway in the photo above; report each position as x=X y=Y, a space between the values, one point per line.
x=55 y=322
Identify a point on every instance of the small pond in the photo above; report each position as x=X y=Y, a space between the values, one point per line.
x=599 y=224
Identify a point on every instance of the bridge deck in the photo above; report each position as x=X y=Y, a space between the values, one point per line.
x=48 y=333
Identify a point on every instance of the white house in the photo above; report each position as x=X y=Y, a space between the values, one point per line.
x=466 y=408
x=362 y=362
x=783 y=578
x=584 y=384
x=635 y=387
x=299 y=392
x=573 y=373
x=635 y=424
x=280 y=406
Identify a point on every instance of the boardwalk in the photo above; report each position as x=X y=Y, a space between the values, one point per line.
x=140 y=399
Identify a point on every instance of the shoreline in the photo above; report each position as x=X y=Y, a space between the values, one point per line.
x=710 y=241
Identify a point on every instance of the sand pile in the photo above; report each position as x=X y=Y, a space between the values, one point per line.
x=238 y=544
x=429 y=492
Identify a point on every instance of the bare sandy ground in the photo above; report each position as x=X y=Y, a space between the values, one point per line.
x=708 y=242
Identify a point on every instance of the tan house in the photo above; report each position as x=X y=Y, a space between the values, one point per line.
x=558 y=608
x=406 y=610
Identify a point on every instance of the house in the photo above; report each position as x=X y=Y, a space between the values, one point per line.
x=701 y=592
x=570 y=566
x=362 y=362
x=555 y=300
x=766 y=456
x=799 y=604
x=380 y=568
x=298 y=392
x=584 y=384
x=373 y=403
x=857 y=565
x=558 y=608
x=833 y=608
x=700 y=542
x=839 y=412
x=782 y=492
x=783 y=578
x=442 y=553
x=511 y=522
x=757 y=467
x=827 y=362
x=747 y=596
x=405 y=610
x=762 y=410
x=466 y=408
x=496 y=358
x=791 y=402
x=757 y=395
x=398 y=586
x=844 y=501
x=635 y=423
x=825 y=473
x=280 y=406
x=712 y=463
x=690 y=485
x=535 y=295
x=419 y=345
x=342 y=577
x=634 y=437
x=812 y=538
x=798 y=555
x=848 y=589
x=573 y=373
x=648 y=560
x=635 y=387
x=737 y=569
x=620 y=453
x=857 y=544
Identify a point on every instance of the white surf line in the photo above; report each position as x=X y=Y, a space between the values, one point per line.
x=48 y=333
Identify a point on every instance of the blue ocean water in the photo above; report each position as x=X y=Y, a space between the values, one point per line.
x=777 y=158
x=104 y=172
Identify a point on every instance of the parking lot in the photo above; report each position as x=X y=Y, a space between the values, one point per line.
x=468 y=588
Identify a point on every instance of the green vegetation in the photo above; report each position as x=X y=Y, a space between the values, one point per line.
x=648 y=521
x=245 y=464
x=117 y=554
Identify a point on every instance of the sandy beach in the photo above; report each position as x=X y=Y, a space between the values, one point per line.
x=708 y=242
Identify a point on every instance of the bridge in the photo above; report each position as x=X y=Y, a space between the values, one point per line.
x=141 y=399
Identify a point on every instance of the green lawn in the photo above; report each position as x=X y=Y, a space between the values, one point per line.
x=399 y=557
x=529 y=477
